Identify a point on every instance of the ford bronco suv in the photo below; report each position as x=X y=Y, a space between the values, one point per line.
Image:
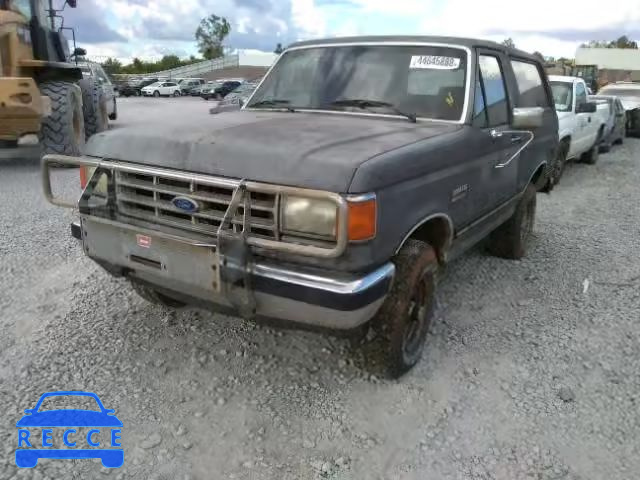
x=354 y=172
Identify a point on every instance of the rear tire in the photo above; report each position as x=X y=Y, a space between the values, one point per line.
x=177 y=93
x=94 y=107
x=404 y=319
x=510 y=239
x=63 y=131
x=153 y=296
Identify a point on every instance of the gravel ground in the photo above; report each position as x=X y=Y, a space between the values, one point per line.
x=531 y=370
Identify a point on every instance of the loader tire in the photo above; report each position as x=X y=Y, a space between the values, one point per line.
x=62 y=132
x=94 y=108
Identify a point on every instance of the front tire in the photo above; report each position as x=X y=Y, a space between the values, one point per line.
x=63 y=131
x=156 y=94
x=405 y=317
x=510 y=239
x=591 y=157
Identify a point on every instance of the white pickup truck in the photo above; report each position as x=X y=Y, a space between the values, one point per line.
x=580 y=124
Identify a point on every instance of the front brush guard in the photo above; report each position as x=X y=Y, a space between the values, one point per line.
x=234 y=255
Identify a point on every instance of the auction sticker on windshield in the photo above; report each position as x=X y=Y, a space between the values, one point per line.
x=434 y=61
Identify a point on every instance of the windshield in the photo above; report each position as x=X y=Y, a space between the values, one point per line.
x=562 y=96
x=428 y=81
x=620 y=92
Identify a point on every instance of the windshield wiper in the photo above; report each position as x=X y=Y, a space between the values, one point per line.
x=272 y=102
x=366 y=104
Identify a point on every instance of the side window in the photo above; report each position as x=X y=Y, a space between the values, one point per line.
x=495 y=93
x=581 y=94
x=479 y=108
x=530 y=85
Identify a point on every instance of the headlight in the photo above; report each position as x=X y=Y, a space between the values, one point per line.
x=85 y=175
x=309 y=215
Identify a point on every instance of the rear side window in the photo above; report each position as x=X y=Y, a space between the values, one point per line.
x=530 y=85
x=495 y=93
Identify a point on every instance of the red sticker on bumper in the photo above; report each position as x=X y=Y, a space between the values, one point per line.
x=143 y=241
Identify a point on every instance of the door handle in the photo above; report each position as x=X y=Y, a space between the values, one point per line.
x=495 y=133
x=589 y=120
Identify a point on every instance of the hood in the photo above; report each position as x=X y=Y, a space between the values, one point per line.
x=629 y=103
x=312 y=150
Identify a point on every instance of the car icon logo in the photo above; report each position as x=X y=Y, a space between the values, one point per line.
x=101 y=440
x=185 y=204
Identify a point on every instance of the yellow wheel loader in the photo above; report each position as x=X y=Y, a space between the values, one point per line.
x=40 y=88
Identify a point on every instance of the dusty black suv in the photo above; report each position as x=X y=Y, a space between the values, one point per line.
x=356 y=170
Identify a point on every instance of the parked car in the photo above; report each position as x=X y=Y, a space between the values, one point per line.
x=207 y=91
x=134 y=88
x=219 y=90
x=99 y=98
x=629 y=95
x=162 y=89
x=236 y=99
x=189 y=84
x=615 y=121
x=332 y=200
x=580 y=126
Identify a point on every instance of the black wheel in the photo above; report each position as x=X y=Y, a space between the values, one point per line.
x=176 y=93
x=605 y=147
x=510 y=239
x=153 y=296
x=63 y=131
x=94 y=107
x=403 y=321
x=114 y=115
x=156 y=93
x=204 y=97
x=591 y=157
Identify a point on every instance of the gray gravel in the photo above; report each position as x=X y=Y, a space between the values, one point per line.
x=531 y=370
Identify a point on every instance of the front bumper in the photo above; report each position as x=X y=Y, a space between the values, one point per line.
x=334 y=300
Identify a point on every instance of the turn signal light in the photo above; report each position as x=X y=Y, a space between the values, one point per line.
x=362 y=220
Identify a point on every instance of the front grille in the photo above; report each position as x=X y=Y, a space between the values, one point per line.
x=148 y=197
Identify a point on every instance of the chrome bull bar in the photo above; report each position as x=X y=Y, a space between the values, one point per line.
x=109 y=167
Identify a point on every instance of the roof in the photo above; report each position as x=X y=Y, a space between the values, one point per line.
x=609 y=58
x=625 y=85
x=462 y=41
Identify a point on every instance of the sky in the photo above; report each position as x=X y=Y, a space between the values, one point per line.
x=151 y=28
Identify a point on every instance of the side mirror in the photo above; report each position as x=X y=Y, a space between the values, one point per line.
x=72 y=3
x=587 y=107
x=529 y=117
x=79 y=52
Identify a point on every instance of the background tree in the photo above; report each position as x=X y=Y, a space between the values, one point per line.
x=210 y=34
x=508 y=42
x=539 y=56
x=112 y=65
x=620 y=42
x=278 y=49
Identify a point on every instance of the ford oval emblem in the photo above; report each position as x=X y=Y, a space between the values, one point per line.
x=186 y=204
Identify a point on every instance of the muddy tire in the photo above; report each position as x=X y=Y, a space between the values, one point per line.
x=404 y=319
x=557 y=168
x=155 y=297
x=94 y=107
x=62 y=132
x=510 y=239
